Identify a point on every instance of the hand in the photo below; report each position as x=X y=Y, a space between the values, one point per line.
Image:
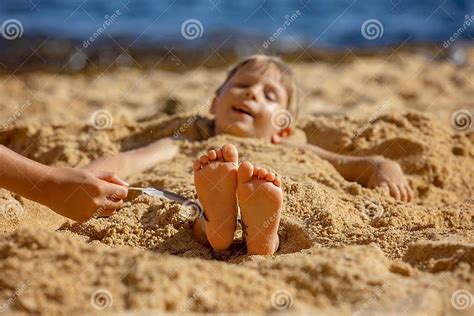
x=80 y=194
x=388 y=174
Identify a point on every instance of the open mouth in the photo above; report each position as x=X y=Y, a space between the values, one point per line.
x=242 y=109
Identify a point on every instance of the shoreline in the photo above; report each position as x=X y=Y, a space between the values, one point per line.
x=25 y=54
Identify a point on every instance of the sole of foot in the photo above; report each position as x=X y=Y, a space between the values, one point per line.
x=260 y=198
x=215 y=179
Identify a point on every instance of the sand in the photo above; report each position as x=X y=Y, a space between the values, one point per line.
x=345 y=249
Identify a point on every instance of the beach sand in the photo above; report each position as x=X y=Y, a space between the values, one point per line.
x=344 y=250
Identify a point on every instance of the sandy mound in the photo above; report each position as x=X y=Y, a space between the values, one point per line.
x=345 y=249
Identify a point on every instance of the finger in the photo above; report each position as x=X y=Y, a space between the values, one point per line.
x=110 y=177
x=394 y=191
x=403 y=192
x=116 y=191
x=113 y=205
x=105 y=212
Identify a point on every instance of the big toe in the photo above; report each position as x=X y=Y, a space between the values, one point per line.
x=230 y=154
x=245 y=172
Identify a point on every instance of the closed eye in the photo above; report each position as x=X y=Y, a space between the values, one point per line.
x=271 y=96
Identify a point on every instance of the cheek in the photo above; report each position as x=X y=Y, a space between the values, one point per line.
x=266 y=119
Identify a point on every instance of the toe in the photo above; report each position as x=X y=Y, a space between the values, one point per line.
x=262 y=173
x=212 y=155
x=197 y=165
x=277 y=182
x=270 y=177
x=410 y=194
x=394 y=191
x=219 y=154
x=230 y=154
x=245 y=172
x=256 y=169
x=204 y=159
x=403 y=193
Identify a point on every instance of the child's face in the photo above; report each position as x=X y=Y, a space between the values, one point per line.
x=246 y=103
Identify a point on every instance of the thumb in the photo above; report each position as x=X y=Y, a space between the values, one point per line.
x=110 y=177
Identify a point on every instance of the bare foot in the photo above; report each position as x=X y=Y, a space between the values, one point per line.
x=215 y=178
x=260 y=198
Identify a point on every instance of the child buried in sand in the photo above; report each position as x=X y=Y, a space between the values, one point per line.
x=244 y=105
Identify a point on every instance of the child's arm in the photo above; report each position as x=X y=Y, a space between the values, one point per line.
x=137 y=160
x=74 y=193
x=371 y=171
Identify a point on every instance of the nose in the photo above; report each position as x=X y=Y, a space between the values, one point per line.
x=251 y=94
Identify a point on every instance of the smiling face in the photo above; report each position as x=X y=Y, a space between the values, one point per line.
x=245 y=104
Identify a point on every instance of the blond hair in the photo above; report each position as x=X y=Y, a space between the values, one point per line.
x=287 y=77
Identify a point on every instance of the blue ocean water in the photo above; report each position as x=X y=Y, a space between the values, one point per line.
x=310 y=23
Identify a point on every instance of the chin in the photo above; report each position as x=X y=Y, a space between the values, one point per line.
x=238 y=130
